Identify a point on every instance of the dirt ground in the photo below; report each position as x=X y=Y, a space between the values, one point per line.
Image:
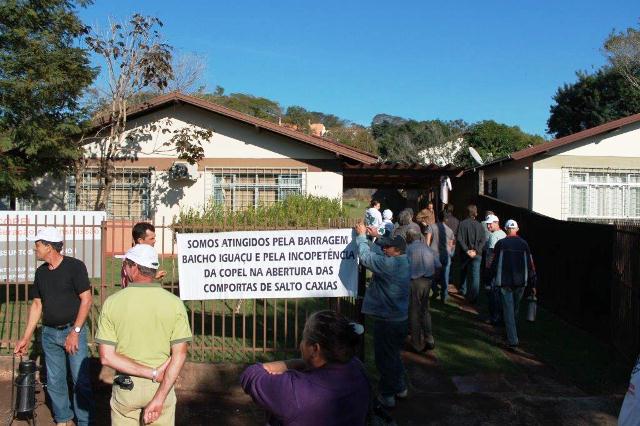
x=420 y=408
x=536 y=396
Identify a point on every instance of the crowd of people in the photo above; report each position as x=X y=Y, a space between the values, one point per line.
x=411 y=265
x=143 y=330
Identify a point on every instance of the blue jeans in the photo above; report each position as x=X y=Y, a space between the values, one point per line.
x=471 y=278
x=444 y=293
x=388 y=339
x=510 y=306
x=495 y=304
x=57 y=361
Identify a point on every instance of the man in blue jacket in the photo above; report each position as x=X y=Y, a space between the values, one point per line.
x=386 y=301
x=512 y=269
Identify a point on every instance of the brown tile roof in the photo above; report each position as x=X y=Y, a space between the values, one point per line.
x=576 y=137
x=395 y=175
x=156 y=103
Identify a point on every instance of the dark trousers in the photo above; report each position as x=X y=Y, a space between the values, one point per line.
x=471 y=278
x=419 y=315
x=388 y=338
x=495 y=304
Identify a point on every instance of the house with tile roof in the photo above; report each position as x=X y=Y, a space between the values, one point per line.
x=591 y=175
x=247 y=162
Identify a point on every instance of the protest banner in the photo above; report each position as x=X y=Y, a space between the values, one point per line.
x=82 y=239
x=267 y=264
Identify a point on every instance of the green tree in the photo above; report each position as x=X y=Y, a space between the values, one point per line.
x=355 y=136
x=136 y=62
x=594 y=99
x=298 y=116
x=406 y=140
x=255 y=106
x=495 y=140
x=43 y=74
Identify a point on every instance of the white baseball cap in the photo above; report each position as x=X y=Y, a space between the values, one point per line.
x=491 y=218
x=143 y=255
x=49 y=234
x=387 y=214
x=511 y=224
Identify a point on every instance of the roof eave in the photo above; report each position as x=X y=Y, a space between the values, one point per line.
x=180 y=98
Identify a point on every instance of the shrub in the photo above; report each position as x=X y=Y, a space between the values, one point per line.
x=295 y=211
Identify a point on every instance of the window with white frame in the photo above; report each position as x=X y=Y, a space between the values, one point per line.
x=602 y=193
x=242 y=188
x=129 y=198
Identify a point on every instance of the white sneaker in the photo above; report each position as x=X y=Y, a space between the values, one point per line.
x=387 y=401
x=402 y=394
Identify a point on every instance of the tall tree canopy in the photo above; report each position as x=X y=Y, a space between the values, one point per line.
x=623 y=51
x=401 y=140
x=43 y=74
x=495 y=140
x=594 y=99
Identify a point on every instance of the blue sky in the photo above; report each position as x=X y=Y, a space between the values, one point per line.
x=475 y=60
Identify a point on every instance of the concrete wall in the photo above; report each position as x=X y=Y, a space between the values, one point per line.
x=513 y=182
x=547 y=188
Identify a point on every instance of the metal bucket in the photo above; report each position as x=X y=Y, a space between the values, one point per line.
x=532 y=308
x=25 y=385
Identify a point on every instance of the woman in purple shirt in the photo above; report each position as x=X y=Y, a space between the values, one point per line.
x=328 y=386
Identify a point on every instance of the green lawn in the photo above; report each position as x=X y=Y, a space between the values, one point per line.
x=355 y=208
x=590 y=363
x=461 y=347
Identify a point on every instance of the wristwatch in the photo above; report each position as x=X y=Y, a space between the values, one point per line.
x=77 y=329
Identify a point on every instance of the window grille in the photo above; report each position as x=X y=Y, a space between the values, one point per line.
x=243 y=188
x=130 y=194
x=601 y=193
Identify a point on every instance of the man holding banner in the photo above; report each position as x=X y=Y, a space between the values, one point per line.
x=387 y=302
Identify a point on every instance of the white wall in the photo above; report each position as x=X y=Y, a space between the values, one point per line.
x=624 y=142
x=547 y=189
x=324 y=184
x=513 y=182
x=619 y=149
x=231 y=138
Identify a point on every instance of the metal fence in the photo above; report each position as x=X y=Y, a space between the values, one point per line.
x=224 y=330
x=588 y=273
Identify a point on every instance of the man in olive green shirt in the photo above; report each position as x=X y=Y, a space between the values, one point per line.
x=143 y=332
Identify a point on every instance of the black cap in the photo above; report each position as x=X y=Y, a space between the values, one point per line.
x=397 y=242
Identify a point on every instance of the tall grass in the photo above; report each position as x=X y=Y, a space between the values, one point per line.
x=295 y=211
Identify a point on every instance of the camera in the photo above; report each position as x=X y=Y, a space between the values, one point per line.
x=123 y=381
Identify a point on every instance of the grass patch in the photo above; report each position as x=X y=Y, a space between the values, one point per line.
x=354 y=208
x=461 y=347
x=591 y=364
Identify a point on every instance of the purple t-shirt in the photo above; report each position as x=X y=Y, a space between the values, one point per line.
x=336 y=394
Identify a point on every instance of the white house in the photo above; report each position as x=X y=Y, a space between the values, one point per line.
x=590 y=175
x=246 y=162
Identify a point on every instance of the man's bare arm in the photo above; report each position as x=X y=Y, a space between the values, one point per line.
x=110 y=358
x=153 y=410
x=32 y=322
x=71 y=342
